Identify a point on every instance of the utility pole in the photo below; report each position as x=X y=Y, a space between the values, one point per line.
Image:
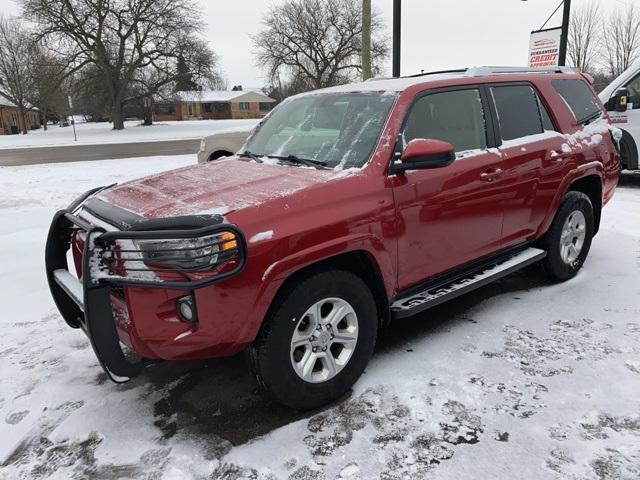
x=366 y=39
x=397 y=20
x=564 y=36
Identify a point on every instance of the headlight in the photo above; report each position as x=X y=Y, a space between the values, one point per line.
x=203 y=145
x=188 y=253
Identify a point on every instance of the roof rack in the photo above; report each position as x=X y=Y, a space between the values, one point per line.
x=483 y=71
x=437 y=72
x=421 y=74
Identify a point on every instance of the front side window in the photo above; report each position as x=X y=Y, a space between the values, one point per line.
x=518 y=111
x=456 y=117
x=339 y=129
x=579 y=98
x=633 y=88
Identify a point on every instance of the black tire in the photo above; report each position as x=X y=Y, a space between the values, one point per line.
x=628 y=152
x=270 y=355
x=553 y=264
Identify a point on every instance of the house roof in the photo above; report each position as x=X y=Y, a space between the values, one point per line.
x=224 y=96
x=5 y=102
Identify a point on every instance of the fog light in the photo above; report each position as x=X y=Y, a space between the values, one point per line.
x=187 y=309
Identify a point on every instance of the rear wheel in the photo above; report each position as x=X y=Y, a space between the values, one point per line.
x=317 y=341
x=569 y=238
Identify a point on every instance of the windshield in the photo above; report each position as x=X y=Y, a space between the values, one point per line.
x=335 y=130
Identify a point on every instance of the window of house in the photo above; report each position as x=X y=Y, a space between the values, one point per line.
x=579 y=97
x=245 y=105
x=456 y=117
x=518 y=111
x=265 y=106
x=165 y=109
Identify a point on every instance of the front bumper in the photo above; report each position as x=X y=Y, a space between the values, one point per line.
x=85 y=302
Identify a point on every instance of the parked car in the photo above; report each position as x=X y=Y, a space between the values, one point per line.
x=223 y=143
x=622 y=101
x=348 y=207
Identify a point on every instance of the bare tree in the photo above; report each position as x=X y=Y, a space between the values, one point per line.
x=318 y=40
x=622 y=39
x=584 y=37
x=49 y=85
x=121 y=38
x=16 y=79
x=191 y=65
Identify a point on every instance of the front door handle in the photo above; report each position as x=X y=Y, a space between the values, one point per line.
x=491 y=175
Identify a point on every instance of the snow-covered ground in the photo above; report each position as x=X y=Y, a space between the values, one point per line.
x=98 y=133
x=523 y=379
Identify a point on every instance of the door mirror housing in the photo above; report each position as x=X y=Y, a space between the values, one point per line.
x=425 y=153
x=619 y=101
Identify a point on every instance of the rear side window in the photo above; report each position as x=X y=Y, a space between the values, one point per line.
x=518 y=111
x=547 y=123
x=456 y=117
x=579 y=98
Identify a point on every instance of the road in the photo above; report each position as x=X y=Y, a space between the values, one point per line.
x=105 y=151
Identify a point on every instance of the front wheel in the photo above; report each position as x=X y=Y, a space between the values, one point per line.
x=317 y=340
x=569 y=238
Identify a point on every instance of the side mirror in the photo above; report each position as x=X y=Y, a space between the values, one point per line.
x=422 y=153
x=619 y=101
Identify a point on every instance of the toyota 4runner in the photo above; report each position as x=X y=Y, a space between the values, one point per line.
x=347 y=207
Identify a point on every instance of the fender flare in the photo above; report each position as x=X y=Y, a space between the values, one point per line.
x=279 y=271
x=582 y=171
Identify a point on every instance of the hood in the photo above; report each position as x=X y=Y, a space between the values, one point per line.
x=215 y=188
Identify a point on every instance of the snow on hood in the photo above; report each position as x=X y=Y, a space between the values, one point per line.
x=219 y=187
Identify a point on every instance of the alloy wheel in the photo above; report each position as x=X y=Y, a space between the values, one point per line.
x=324 y=340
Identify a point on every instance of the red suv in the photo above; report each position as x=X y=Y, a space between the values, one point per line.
x=347 y=207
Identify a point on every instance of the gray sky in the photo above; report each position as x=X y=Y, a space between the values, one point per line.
x=437 y=34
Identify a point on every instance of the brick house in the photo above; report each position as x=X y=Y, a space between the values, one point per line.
x=214 y=105
x=10 y=120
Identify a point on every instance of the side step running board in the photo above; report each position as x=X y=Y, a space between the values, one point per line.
x=437 y=293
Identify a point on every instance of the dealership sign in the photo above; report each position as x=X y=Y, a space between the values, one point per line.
x=544 y=47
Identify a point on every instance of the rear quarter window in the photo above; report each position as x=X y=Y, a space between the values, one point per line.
x=578 y=96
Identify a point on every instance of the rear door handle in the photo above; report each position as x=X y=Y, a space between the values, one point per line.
x=491 y=175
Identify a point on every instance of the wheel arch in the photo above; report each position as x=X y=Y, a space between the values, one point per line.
x=360 y=262
x=219 y=153
x=590 y=182
x=631 y=162
x=591 y=186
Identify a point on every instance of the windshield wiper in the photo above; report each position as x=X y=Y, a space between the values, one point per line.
x=252 y=156
x=587 y=120
x=300 y=161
